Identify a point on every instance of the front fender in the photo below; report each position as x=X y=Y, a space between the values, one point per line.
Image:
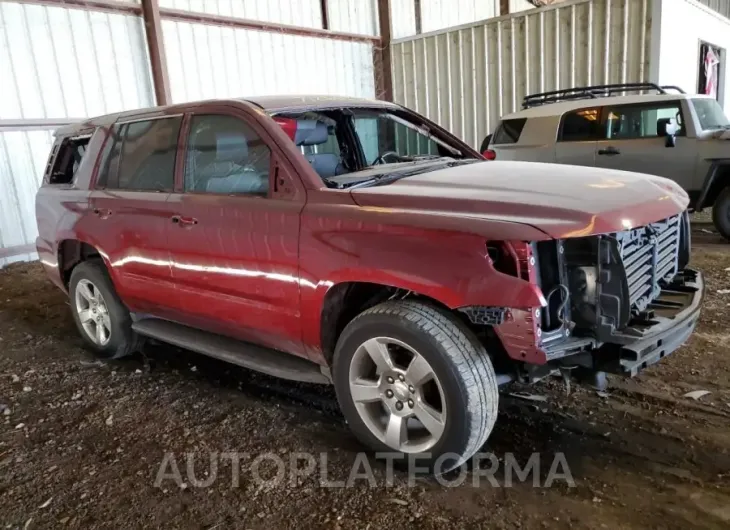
x=452 y=268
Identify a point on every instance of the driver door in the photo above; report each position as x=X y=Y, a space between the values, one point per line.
x=233 y=242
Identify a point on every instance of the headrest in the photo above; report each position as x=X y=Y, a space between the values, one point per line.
x=231 y=146
x=310 y=132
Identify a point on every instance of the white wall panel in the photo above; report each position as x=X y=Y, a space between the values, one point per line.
x=305 y=13
x=354 y=16
x=207 y=61
x=23 y=156
x=57 y=62
x=466 y=78
x=402 y=18
x=684 y=24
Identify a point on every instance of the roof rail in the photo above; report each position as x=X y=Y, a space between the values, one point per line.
x=591 y=92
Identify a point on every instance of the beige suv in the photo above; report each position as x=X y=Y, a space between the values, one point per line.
x=668 y=133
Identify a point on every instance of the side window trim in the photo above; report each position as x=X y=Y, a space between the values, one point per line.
x=184 y=143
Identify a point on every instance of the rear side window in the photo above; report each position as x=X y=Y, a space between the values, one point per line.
x=140 y=155
x=70 y=153
x=509 y=131
x=580 y=125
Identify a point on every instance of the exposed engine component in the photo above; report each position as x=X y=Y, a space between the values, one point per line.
x=583 y=281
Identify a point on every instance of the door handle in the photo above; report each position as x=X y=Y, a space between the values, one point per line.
x=102 y=213
x=609 y=151
x=183 y=221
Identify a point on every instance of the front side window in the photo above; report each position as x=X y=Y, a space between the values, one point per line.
x=710 y=114
x=147 y=155
x=641 y=121
x=225 y=155
x=580 y=125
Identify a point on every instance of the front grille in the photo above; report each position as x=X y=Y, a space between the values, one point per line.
x=650 y=255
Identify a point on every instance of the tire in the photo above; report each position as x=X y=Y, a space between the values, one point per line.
x=120 y=339
x=721 y=213
x=460 y=365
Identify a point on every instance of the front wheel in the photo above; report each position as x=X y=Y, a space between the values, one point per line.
x=721 y=213
x=413 y=380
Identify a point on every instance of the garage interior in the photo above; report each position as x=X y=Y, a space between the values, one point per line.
x=81 y=440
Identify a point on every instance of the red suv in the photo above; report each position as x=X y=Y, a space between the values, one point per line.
x=356 y=243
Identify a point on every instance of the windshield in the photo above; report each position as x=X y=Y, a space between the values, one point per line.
x=710 y=114
x=365 y=143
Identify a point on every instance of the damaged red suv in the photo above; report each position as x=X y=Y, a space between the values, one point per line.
x=356 y=243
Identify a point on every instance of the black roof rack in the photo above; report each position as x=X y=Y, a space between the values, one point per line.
x=590 y=92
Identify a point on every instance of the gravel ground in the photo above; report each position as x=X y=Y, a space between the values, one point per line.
x=82 y=441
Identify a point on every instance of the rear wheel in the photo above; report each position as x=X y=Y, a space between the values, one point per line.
x=413 y=380
x=102 y=319
x=721 y=213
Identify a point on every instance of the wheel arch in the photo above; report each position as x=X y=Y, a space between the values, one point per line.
x=345 y=300
x=73 y=251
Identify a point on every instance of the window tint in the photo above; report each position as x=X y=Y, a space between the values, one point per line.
x=148 y=155
x=641 y=121
x=509 y=132
x=225 y=155
x=580 y=125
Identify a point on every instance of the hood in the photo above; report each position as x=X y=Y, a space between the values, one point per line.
x=560 y=200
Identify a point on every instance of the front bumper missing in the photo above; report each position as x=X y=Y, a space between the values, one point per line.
x=675 y=315
x=677 y=311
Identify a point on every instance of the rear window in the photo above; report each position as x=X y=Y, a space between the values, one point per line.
x=580 y=125
x=141 y=155
x=509 y=131
x=70 y=153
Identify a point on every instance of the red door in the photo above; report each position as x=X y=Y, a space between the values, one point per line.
x=234 y=242
x=132 y=212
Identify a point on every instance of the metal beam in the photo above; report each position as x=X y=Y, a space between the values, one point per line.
x=382 y=60
x=503 y=7
x=36 y=125
x=419 y=16
x=260 y=25
x=89 y=5
x=206 y=18
x=156 y=48
x=324 y=7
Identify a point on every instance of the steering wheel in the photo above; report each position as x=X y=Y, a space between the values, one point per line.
x=381 y=158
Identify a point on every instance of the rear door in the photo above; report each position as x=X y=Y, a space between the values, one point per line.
x=130 y=202
x=577 y=137
x=235 y=232
x=633 y=138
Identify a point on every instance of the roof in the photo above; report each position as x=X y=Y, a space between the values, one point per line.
x=558 y=109
x=268 y=103
x=281 y=103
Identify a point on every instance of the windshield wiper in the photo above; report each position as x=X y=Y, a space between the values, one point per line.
x=387 y=178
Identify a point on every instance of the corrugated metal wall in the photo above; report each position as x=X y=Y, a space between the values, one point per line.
x=721 y=6
x=466 y=78
x=440 y=14
x=58 y=63
x=207 y=61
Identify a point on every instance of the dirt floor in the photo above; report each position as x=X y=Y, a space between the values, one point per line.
x=82 y=441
